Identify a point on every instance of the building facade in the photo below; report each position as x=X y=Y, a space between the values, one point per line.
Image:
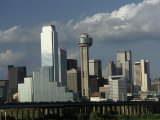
x=124 y=67
x=95 y=68
x=142 y=75
x=25 y=90
x=3 y=90
x=49 y=49
x=15 y=75
x=118 y=88
x=110 y=69
x=62 y=57
x=74 y=81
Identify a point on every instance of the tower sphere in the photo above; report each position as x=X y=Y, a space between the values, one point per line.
x=84 y=40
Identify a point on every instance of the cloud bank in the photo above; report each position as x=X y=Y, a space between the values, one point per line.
x=131 y=23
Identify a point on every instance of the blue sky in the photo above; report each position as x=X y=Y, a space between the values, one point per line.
x=114 y=25
x=28 y=13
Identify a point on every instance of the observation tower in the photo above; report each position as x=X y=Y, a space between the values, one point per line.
x=84 y=42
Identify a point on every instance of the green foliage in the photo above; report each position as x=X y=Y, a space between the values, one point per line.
x=82 y=116
x=95 y=116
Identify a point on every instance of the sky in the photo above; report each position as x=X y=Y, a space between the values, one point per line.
x=114 y=25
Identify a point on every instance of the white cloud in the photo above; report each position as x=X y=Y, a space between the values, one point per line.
x=123 y=24
x=18 y=34
x=118 y=26
x=10 y=57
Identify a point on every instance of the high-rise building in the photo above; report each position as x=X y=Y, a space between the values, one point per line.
x=95 y=68
x=15 y=75
x=74 y=80
x=124 y=67
x=110 y=70
x=49 y=49
x=142 y=75
x=62 y=57
x=71 y=64
x=84 y=42
x=118 y=88
x=45 y=83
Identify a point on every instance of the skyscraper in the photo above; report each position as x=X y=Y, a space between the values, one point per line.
x=49 y=49
x=124 y=67
x=110 y=69
x=15 y=75
x=84 y=42
x=62 y=57
x=45 y=83
x=142 y=75
x=74 y=80
x=95 y=68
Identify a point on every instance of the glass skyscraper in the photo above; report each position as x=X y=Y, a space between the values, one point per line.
x=49 y=49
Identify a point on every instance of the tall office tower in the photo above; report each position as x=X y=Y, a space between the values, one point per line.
x=71 y=64
x=45 y=82
x=49 y=49
x=84 y=42
x=95 y=68
x=15 y=75
x=118 y=88
x=124 y=67
x=142 y=75
x=110 y=69
x=62 y=57
x=74 y=80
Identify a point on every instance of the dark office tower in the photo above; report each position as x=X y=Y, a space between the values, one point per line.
x=71 y=64
x=110 y=69
x=15 y=75
x=3 y=90
x=124 y=67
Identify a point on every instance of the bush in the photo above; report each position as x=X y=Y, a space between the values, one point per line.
x=95 y=116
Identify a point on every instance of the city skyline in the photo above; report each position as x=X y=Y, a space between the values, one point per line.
x=122 y=26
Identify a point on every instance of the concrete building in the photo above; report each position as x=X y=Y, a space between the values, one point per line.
x=118 y=88
x=15 y=75
x=49 y=49
x=124 y=67
x=25 y=90
x=155 y=85
x=142 y=75
x=110 y=69
x=74 y=81
x=3 y=90
x=71 y=64
x=95 y=68
x=62 y=57
x=105 y=90
x=84 y=42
